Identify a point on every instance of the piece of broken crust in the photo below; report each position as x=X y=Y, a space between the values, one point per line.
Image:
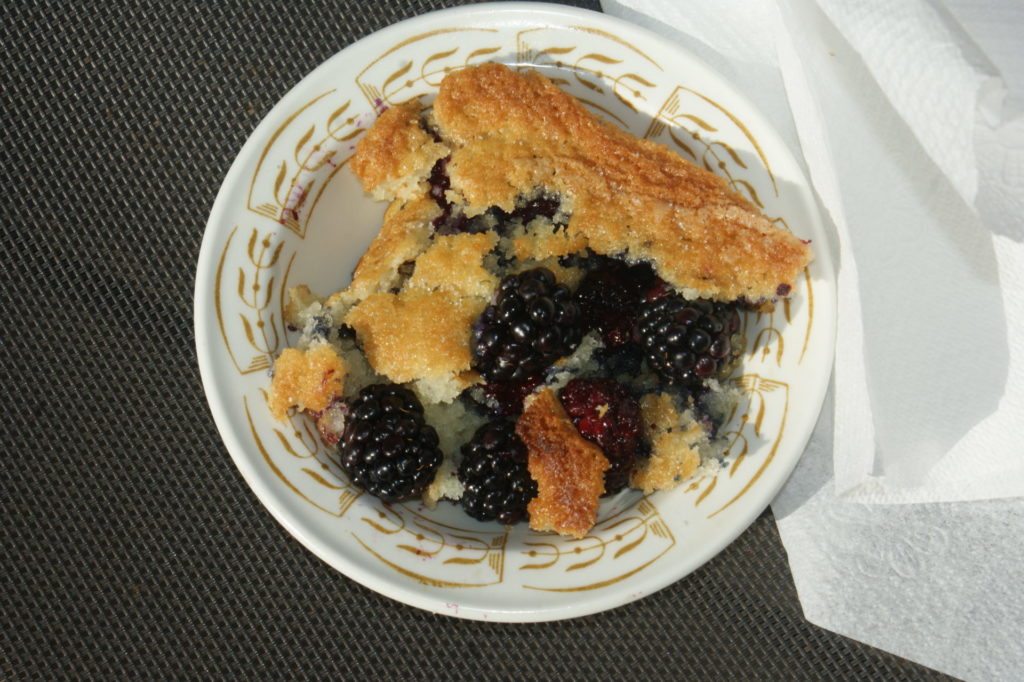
x=569 y=469
x=674 y=436
x=307 y=380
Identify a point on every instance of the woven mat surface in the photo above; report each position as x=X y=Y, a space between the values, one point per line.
x=131 y=547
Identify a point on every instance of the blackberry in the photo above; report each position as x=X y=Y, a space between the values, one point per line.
x=609 y=297
x=498 y=485
x=532 y=322
x=686 y=342
x=607 y=414
x=386 y=447
x=505 y=398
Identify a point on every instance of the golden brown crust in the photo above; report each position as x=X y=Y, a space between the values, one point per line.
x=511 y=133
x=403 y=236
x=544 y=241
x=416 y=334
x=307 y=380
x=674 y=437
x=396 y=152
x=454 y=263
x=569 y=469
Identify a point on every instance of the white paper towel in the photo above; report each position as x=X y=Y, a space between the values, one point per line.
x=937 y=583
x=916 y=150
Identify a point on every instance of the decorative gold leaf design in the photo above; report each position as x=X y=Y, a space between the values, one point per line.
x=707 y=491
x=321 y=480
x=351 y=136
x=597 y=107
x=266 y=299
x=588 y=84
x=700 y=122
x=248 y=330
x=260 y=331
x=335 y=115
x=809 y=295
x=460 y=558
x=279 y=180
x=631 y=546
x=551 y=551
x=437 y=56
x=625 y=101
x=731 y=152
x=287 y=444
x=604 y=59
x=636 y=538
x=335 y=504
x=584 y=564
x=552 y=51
x=738 y=183
x=302 y=143
x=682 y=145
x=718 y=155
x=483 y=51
x=290 y=192
x=764 y=340
x=395 y=76
x=257 y=363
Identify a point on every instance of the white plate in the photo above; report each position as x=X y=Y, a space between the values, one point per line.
x=290 y=212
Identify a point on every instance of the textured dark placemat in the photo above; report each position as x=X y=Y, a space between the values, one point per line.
x=131 y=546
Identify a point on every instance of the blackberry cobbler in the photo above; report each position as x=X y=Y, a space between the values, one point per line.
x=543 y=318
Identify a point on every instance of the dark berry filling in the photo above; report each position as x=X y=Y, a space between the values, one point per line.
x=505 y=398
x=606 y=413
x=387 y=448
x=686 y=342
x=498 y=485
x=542 y=205
x=609 y=297
x=532 y=322
x=452 y=220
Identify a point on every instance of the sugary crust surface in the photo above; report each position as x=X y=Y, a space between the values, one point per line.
x=396 y=153
x=544 y=241
x=455 y=264
x=416 y=334
x=569 y=469
x=511 y=133
x=308 y=380
x=403 y=236
x=674 y=437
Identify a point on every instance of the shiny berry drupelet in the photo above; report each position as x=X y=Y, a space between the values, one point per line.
x=498 y=486
x=607 y=414
x=686 y=342
x=532 y=322
x=386 y=447
x=609 y=297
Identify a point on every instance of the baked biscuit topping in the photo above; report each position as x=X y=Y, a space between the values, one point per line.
x=569 y=469
x=531 y=253
x=631 y=198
